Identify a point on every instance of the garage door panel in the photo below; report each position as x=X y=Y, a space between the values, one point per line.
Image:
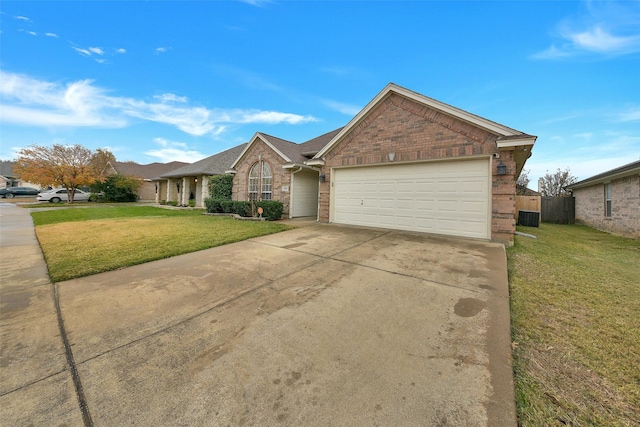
x=447 y=198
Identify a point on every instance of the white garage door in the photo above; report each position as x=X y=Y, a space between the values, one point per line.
x=449 y=198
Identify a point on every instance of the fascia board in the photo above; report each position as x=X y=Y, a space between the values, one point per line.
x=255 y=137
x=516 y=142
x=490 y=126
x=604 y=179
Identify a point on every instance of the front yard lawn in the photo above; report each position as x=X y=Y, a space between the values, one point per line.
x=575 y=313
x=82 y=241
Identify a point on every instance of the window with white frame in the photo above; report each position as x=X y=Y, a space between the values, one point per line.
x=607 y=200
x=254 y=180
x=260 y=185
x=267 y=181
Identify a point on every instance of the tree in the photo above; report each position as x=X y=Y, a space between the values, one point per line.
x=523 y=182
x=68 y=166
x=555 y=184
x=220 y=187
x=116 y=188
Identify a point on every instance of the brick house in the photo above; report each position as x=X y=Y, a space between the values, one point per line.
x=404 y=162
x=610 y=201
x=145 y=174
x=191 y=181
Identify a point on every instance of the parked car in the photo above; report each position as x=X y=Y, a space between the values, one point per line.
x=58 y=195
x=12 y=192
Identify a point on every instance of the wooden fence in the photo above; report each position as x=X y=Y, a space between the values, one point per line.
x=558 y=210
x=527 y=203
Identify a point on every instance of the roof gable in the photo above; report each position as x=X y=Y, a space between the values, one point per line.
x=279 y=146
x=505 y=134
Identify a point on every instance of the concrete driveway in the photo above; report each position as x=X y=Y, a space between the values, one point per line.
x=319 y=326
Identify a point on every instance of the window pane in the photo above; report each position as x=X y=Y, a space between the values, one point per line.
x=254 y=178
x=267 y=180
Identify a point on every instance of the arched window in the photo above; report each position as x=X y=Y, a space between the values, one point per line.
x=260 y=183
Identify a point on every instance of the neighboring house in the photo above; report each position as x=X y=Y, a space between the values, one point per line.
x=144 y=173
x=191 y=182
x=9 y=179
x=404 y=162
x=610 y=201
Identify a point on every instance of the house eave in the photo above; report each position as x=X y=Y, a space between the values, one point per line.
x=465 y=116
x=630 y=169
x=314 y=162
x=290 y=166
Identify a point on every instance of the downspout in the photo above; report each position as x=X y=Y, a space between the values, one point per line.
x=291 y=192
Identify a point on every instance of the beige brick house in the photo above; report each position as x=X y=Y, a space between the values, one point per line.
x=404 y=162
x=145 y=174
x=610 y=201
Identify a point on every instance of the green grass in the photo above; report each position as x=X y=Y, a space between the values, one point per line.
x=80 y=242
x=55 y=216
x=575 y=308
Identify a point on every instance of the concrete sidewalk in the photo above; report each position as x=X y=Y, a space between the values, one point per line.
x=34 y=372
x=322 y=325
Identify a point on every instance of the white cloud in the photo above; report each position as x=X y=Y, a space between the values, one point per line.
x=160 y=50
x=31 y=102
x=96 y=50
x=632 y=115
x=607 y=28
x=347 y=109
x=53 y=35
x=121 y=50
x=23 y=18
x=81 y=51
x=170 y=97
x=172 y=151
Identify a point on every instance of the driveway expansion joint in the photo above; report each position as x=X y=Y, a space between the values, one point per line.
x=77 y=383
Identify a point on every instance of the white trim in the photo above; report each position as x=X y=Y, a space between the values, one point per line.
x=256 y=136
x=481 y=122
x=517 y=142
x=314 y=162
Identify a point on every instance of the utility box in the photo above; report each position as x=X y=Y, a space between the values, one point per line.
x=529 y=218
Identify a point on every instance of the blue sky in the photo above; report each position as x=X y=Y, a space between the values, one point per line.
x=164 y=80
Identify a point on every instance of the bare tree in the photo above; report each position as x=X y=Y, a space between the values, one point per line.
x=68 y=166
x=523 y=182
x=555 y=184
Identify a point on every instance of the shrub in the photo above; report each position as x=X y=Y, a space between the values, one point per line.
x=192 y=203
x=213 y=205
x=271 y=209
x=173 y=203
x=220 y=187
x=116 y=188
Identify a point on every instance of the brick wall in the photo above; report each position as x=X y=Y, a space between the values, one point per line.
x=281 y=177
x=415 y=132
x=625 y=207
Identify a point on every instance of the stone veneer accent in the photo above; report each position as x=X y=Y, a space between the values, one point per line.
x=625 y=206
x=415 y=133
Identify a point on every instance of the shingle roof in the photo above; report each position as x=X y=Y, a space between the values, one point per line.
x=149 y=171
x=312 y=146
x=6 y=169
x=632 y=168
x=212 y=165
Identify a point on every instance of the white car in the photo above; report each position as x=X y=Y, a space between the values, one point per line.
x=60 y=194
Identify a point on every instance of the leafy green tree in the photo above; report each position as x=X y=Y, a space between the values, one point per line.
x=116 y=188
x=220 y=187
